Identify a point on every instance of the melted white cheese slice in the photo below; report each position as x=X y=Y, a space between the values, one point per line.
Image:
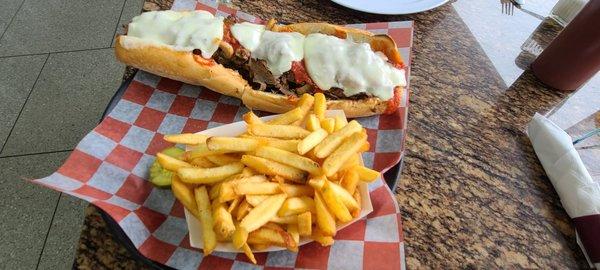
x=353 y=67
x=278 y=49
x=248 y=34
x=184 y=31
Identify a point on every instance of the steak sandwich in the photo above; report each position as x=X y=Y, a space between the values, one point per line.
x=268 y=66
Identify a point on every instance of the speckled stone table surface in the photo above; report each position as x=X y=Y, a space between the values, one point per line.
x=472 y=192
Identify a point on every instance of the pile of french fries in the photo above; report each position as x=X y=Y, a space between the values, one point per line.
x=293 y=176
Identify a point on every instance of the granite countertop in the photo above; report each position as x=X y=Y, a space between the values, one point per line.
x=472 y=192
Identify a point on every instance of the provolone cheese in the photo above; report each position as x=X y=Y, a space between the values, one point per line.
x=248 y=34
x=353 y=67
x=184 y=31
x=278 y=49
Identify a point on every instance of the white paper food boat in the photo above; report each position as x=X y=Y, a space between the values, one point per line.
x=235 y=129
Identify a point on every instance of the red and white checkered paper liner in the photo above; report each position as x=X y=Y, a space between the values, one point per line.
x=109 y=168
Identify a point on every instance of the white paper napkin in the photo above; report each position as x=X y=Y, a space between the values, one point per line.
x=579 y=194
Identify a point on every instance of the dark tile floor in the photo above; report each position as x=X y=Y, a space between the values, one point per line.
x=57 y=74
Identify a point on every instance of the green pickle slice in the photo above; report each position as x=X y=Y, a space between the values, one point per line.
x=159 y=176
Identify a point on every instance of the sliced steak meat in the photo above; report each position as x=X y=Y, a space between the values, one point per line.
x=338 y=93
x=289 y=77
x=236 y=61
x=241 y=56
x=304 y=89
x=260 y=73
x=334 y=93
x=359 y=96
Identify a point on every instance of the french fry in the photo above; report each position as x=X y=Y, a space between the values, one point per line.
x=278 y=131
x=328 y=124
x=288 y=239
x=285 y=220
x=305 y=223
x=334 y=140
x=209 y=175
x=171 y=163
x=336 y=177
x=262 y=213
x=227 y=192
x=222 y=159
x=269 y=167
x=206 y=220
x=320 y=105
x=214 y=191
x=354 y=160
x=247 y=172
x=271 y=235
x=321 y=237
x=186 y=138
x=184 y=194
x=305 y=103
x=365 y=147
x=340 y=122
x=283 y=144
x=350 y=181
x=239 y=238
x=201 y=150
x=242 y=210
x=312 y=140
x=344 y=196
x=233 y=205
x=311 y=154
x=202 y=162
x=254 y=200
x=296 y=205
x=277 y=179
x=287 y=145
x=257 y=217
x=288 y=117
x=251 y=118
x=265 y=188
x=341 y=155
x=260 y=247
x=288 y=158
x=358 y=199
x=292 y=229
x=231 y=144
x=334 y=204
x=366 y=174
x=296 y=190
x=224 y=226
x=312 y=122
x=317 y=182
x=213 y=204
x=325 y=219
x=249 y=253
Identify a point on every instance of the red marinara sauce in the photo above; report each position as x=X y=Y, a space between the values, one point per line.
x=228 y=37
x=394 y=103
x=201 y=60
x=301 y=75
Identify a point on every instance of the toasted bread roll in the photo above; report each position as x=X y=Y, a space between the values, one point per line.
x=179 y=65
